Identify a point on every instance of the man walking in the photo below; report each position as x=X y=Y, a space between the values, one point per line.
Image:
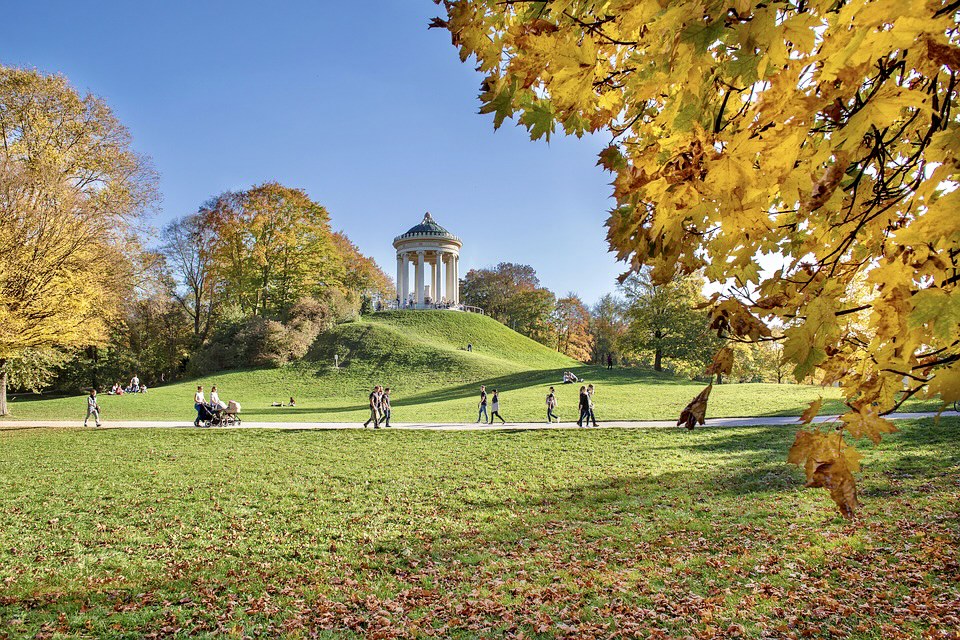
x=609 y=362
x=93 y=409
x=584 y=407
x=374 y=409
x=385 y=407
x=496 y=409
x=590 y=406
x=551 y=405
x=483 y=405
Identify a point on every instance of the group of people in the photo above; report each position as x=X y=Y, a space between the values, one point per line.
x=379 y=407
x=569 y=377
x=494 y=406
x=586 y=407
x=200 y=403
x=135 y=386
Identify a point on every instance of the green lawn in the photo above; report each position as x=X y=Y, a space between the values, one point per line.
x=422 y=356
x=646 y=533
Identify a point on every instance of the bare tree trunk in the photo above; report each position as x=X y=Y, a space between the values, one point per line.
x=3 y=387
x=658 y=360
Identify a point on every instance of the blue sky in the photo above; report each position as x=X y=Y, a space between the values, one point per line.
x=357 y=103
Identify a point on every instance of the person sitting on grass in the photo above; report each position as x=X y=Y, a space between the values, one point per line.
x=293 y=403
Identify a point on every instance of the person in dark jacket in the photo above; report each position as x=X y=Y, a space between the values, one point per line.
x=483 y=405
x=385 y=407
x=584 y=407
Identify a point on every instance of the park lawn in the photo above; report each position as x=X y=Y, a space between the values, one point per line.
x=421 y=355
x=575 y=533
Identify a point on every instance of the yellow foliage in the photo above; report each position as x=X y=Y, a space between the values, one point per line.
x=824 y=134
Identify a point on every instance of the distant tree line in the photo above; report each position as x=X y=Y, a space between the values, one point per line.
x=663 y=327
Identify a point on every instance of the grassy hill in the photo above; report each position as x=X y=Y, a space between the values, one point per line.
x=422 y=356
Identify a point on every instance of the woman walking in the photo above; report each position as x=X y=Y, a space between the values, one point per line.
x=93 y=409
x=551 y=405
x=592 y=417
x=495 y=405
x=584 y=407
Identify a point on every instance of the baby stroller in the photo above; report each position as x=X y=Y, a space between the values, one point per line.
x=224 y=416
x=230 y=417
x=207 y=415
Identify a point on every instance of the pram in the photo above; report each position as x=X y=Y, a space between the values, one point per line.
x=213 y=416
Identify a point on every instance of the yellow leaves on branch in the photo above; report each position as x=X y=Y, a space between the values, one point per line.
x=822 y=136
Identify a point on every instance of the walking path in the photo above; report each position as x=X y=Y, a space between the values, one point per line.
x=451 y=426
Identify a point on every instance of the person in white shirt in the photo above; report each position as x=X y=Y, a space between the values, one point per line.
x=198 y=402
x=93 y=409
x=215 y=398
x=135 y=384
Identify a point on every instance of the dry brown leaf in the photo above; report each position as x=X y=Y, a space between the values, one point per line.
x=828 y=461
x=811 y=412
x=722 y=362
x=697 y=409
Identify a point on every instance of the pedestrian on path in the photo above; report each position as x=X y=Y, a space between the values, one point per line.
x=198 y=402
x=496 y=408
x=609 y=361
x=483 y=405
x=584 y=407
x=374 y=409
x=590 y=405
x=93 y=409
x=551 y=405
x=385 y=406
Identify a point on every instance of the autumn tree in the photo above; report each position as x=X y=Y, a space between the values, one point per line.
x=70 y=188
x=571 y=321
x=665 y=322
x=820 y=132
x=608 y=324
x=511 y=293
x=271 y=245
x=187 y=249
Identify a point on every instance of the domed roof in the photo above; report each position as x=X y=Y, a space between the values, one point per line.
x=428 y=227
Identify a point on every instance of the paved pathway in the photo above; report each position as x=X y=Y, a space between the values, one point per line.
x=450 y=426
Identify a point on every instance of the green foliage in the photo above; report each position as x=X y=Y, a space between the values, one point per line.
x=625 y=533
x=512 y=294
x=666 y=325
x=608 y=325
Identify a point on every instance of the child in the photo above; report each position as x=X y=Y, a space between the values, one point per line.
x=93 y=409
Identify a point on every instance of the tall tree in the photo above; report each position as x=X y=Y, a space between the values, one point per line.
x=665 y=321
x=820 y=131
x=70 y=187
x=607 y=326
x=272 y=245
x=571 y=320
x=187 y=249
x=511 y=293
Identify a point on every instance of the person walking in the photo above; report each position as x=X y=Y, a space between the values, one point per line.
x=496 y=408
x=483 y=405
x=198 y=402
x=590 y=406
x=93 y=409
x=551 y=405
x=374 y=409
x=584 y=407
x=609 y=362
x=215 y=399
x=385 y=407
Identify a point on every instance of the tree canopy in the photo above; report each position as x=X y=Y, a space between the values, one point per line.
x=818 y=135
x=70 y=188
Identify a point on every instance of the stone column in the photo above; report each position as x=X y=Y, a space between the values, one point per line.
x=436 y=277
x=456 y=278
x=405 y=277
x=420 y=277
x=399 y=276
x=448 y=272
